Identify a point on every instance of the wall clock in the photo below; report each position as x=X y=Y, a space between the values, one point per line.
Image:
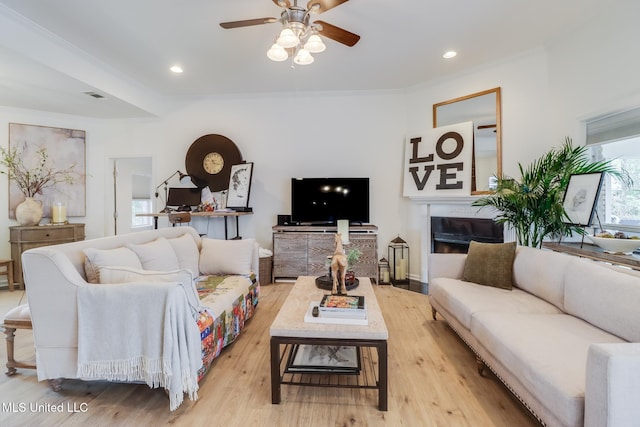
x=209 y=160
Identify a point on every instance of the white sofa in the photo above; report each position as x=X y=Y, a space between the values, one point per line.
x=565 y=340
x=56 y=275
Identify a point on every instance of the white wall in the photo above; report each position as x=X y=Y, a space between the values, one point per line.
x=594 y=70
x=545 y=94
x=336 y=134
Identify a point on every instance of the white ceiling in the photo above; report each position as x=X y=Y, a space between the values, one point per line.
x=52 y=52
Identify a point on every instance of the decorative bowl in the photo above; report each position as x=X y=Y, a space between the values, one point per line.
x=613 y=245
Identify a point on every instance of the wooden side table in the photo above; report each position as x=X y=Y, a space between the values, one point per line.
x=29 y=237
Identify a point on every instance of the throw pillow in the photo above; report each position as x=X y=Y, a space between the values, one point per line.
x=157 y=255
x=186 y=250
x=226 y=256
x=490 y=264
x=97 y=258
x=119 y=274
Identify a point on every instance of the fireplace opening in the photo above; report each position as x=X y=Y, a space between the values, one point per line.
x=452 y=235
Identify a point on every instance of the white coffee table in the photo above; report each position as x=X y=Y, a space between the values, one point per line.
x=289 y=329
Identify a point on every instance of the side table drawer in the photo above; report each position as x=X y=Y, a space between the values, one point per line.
x=48 y=234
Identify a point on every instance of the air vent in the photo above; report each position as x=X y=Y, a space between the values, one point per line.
x=95 y=95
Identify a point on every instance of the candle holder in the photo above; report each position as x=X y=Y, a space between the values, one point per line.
x=399 y=261
x=384 y=273
x=59 y=214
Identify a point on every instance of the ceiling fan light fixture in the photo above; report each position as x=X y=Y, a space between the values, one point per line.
x=314 y=44
x=277 y=53
x=288 y=38
x=303 y=57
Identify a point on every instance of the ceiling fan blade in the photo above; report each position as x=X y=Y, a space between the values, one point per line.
x=247 y=22
x=336 y=33
x=323 y=5
x=282 y=3
x=486 y=126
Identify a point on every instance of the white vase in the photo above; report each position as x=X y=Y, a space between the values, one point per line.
x=29 y=212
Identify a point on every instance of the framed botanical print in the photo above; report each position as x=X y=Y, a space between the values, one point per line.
x=239 y=185
x=64 y=149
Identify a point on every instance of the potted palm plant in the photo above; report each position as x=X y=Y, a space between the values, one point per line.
x=533 y=204
x=32 y=181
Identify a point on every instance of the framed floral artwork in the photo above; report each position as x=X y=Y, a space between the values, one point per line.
x=64 y=149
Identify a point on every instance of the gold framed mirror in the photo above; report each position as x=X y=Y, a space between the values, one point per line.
x=484 y=110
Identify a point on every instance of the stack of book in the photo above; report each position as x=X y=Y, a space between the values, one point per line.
x=343 y=306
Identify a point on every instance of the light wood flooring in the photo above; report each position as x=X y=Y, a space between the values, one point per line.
x=432 y=382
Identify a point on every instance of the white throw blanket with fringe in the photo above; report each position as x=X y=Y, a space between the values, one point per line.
x=140 y=332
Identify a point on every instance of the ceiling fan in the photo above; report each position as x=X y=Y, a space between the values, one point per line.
x=299 y=35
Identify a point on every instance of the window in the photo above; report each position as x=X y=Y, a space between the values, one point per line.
x=616 y=137
x=619 y=205
x=139 y=206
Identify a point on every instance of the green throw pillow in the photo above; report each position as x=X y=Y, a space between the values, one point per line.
x=490 y=264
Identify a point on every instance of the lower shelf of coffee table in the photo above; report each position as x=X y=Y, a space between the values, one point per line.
x=366 y=377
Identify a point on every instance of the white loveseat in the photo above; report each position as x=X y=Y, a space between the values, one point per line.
x=57 y=277
x=565 y=340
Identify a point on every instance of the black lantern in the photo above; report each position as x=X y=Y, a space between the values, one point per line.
x=399 y=261
x=384 y=274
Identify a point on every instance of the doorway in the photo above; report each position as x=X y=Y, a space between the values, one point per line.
x=132 y=193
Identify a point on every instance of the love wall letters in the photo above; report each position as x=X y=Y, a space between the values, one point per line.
x=438 y=162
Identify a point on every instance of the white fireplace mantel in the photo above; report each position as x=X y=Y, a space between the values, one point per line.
x=445 y=200
x=448 y=206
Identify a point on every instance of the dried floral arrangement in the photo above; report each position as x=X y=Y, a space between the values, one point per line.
x=32 y=181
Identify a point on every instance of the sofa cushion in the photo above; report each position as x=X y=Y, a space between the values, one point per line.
x=187 y=252
x=547 y=354
x=589 y=295
x=116 y=275
x=464 y=299
x=226 y=256
x=541 y=273
x=156 y=255
x=97 y=258
x=490 y=264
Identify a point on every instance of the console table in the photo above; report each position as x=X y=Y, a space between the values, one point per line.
x=596 y=253
x=29 y=237
x=303 y=250
x=214 y=214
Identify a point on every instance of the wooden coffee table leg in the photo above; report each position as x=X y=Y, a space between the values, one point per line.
x=383 y=377
x=275 y=371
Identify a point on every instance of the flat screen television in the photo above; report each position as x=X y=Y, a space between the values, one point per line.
x=326 y=200
x=184 y=197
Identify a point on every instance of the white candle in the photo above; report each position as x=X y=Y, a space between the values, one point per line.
x=343 y=229
x=398 y=270
x=385 y=276
x=58 y=213
x=403 y=268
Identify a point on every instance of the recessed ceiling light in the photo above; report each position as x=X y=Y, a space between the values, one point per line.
x=176 y=69
x=449 y=54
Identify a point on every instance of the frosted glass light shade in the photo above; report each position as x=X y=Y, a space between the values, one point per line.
x=315 y=44
x=288 y=38
x=303 y=57
x=277 y=53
